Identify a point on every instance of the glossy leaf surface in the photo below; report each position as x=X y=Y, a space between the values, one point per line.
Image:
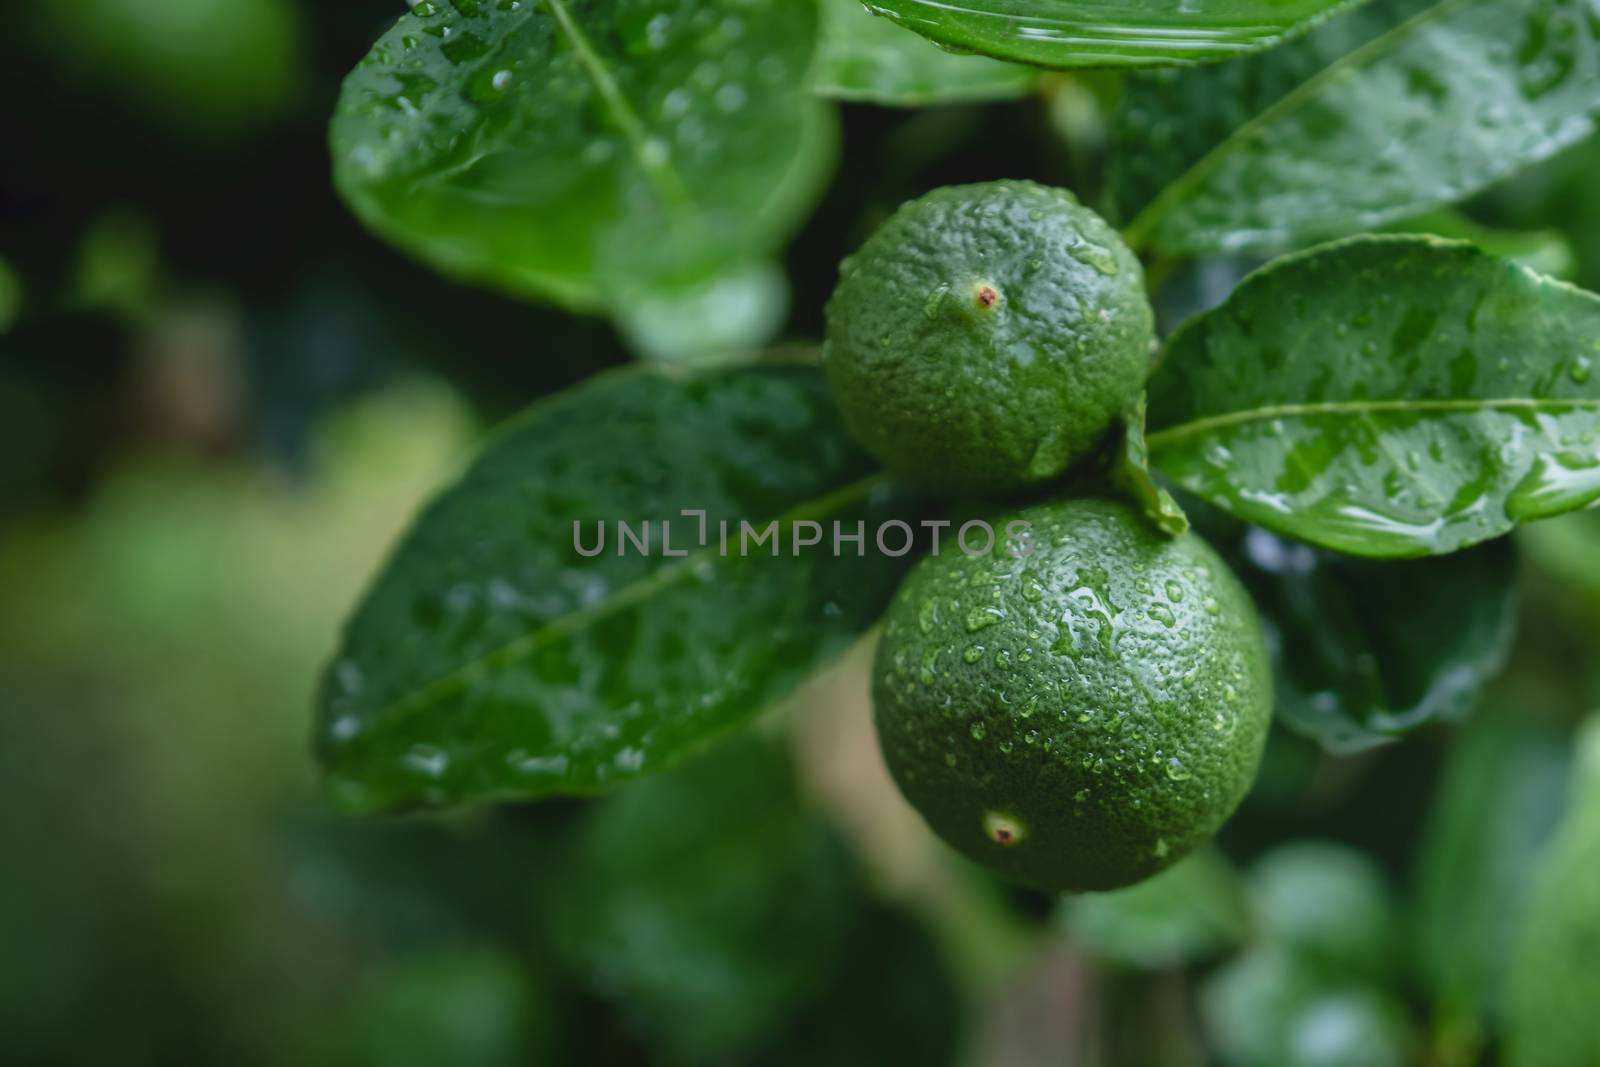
x=1397 y=108
x=491 y=660
x=1367 y=651
x=872 y=60
x=586 y=153
x=1108 y=33
x=1386 y=396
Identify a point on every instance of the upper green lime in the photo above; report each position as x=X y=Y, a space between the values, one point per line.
x=986 y=336
x=1079 y=716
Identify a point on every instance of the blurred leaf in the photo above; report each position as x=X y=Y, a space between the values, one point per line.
x=1495 y=806
x=1367 y=651
x=1131 y=471
x=1359 y=125
x=1350 y=1028
x=1554 y=982
x=12 y=295
x=466 y=1005
x=119 y=266
x=708 y=902
x=594 y=154
x=1267 y=1009
x=1566 y=549
x=1187 y=914
x=1247 y=1005
x=730 y=315
x=492 y=660
x=872 y=60
x=1328 y=904
x=893 y=1001
x=1386 y=396
x=1109 y=33
x=1544 y=251
x=199 y=66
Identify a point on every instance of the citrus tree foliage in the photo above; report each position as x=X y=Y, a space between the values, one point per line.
x=1344 y=421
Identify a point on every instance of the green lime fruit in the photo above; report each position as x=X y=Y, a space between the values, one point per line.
x=985 y=337
x=1080 y=707
x=1554 y=982
x=1329 y=903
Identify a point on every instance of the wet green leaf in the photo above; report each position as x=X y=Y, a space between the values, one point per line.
x=590 y=154
x=872 y=60
x=1367 y=651
x=1397 y=108
x=709 y=903
x=1496 y=804
x=492 y=660
x=1386 y=396
x=1189 y=913
x=1109 y=33
x=1130 y=470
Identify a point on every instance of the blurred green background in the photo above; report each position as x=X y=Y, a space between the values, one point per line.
x=219 y=403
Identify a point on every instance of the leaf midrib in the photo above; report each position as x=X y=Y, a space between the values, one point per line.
x=669 y=185
x=638 y=591
x=1360 y=408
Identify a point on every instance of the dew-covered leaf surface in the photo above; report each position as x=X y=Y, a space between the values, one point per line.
x=1367 y=651
x=586 y=152
x=492 y=660
x=1386 y=396
x=1387 y=111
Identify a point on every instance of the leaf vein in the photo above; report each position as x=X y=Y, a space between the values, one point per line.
x=1363 y=409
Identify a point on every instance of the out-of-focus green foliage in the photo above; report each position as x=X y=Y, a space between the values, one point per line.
x=220 y=398
x=1187 y=914
x=1554 y=984
x=1494 y=809
x=199 y=66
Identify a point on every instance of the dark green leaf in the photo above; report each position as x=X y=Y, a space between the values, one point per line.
x=1188 y=913
x=1500 y=796
x=875 y=61
x=708 y=903
x=466 y=1004
x=591 y=154
x=1364 y=651
x=1130 y=470
x=1386 y=396
x=1395 y=109
x=491 y=660
x=893 y=1000
x=1108 y=33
